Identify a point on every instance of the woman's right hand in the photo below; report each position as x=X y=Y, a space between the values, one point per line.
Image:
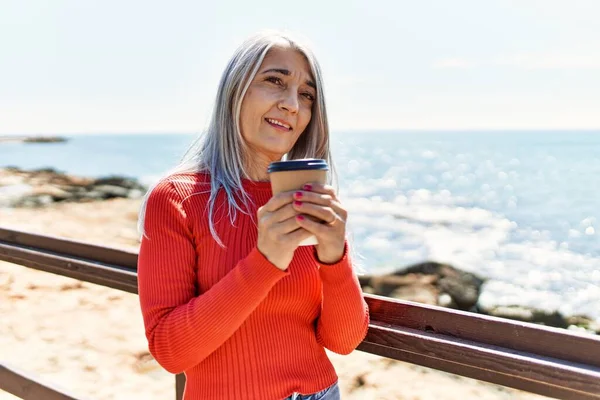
x=279 y=233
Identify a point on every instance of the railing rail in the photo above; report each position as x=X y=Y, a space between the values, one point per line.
x=542 y=360
x=25 y=386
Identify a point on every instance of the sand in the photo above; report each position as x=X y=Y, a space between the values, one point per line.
x=90 y=339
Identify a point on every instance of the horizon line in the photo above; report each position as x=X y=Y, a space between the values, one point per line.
x=350 y=130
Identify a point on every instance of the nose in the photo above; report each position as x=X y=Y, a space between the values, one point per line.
x=289 y=101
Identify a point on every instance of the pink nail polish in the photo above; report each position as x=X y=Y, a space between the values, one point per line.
x=300 y=217
x=297 y=203
x=298 y=195
x=307 y=187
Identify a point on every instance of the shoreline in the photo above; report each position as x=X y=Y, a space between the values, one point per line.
x=32 y=139
x=426 y=282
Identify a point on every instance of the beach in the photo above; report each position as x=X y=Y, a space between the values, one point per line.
x=90 y=339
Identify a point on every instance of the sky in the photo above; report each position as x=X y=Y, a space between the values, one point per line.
x=131 y=66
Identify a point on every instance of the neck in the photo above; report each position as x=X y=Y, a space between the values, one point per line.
x=256 y=173
x=257 y=167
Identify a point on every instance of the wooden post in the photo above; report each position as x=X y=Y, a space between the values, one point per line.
x=179 y=386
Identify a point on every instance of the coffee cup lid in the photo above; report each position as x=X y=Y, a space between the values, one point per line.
x=302 y=164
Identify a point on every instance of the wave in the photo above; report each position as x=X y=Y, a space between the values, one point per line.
x=523 y=266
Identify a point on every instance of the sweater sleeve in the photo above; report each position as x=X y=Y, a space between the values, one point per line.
x=344 y=319
x=182 y=326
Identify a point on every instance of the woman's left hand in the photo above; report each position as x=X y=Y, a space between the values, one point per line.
x=320 y=201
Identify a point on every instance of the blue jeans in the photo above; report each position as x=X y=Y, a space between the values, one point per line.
x=331 y=393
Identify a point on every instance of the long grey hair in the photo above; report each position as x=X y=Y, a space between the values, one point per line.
x=221 y=150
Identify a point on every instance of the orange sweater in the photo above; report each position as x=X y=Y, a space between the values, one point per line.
x=239 y=327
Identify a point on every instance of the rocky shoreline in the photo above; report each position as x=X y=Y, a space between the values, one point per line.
x=444 y=285
x=37 y=188
x=428 y=282
x=33 y=139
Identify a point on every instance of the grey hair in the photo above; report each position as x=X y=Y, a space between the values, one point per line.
x=221 y=150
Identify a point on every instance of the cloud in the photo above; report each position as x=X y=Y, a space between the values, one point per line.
x=527 y=61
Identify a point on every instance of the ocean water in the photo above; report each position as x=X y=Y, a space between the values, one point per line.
x=519 y=208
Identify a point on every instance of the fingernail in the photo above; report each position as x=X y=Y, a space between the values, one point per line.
x=298 y=195
x=300 y=217
x=307 y=187
x=297 y=203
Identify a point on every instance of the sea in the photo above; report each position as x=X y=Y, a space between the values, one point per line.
x=520 y=208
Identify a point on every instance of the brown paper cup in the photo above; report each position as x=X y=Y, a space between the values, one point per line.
x=293 y=175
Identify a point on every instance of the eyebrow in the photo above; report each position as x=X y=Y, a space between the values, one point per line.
x=286 y=72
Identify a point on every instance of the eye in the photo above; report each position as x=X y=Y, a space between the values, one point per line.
x=274 y=80
x=309 y=96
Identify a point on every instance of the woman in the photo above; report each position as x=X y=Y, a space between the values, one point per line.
x=227 y=294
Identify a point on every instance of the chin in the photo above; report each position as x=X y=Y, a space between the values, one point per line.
x=275 y=153
x=276 y=150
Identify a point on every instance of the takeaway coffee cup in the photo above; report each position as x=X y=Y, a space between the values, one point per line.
x=294 y=174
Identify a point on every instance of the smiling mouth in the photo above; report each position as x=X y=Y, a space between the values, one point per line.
x=278 y=124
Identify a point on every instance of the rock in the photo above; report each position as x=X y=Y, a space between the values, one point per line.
x=34 y=201
x=385 y=285
x=44 y=139
x=118 y=181
x=412 y=287
x=135 y=194
x=54 y=192
x=463 y=287
x=584 y=322
x=11 y=194
x=92 y=195
x=368 y=289
x=32 y=139
x=365 y=280
x=446 y=286
x=445 y=300
x=44 y=199
x=111 y=191
x=429 y=283
x=527 y=314
x=426 y=294
x=37 y=188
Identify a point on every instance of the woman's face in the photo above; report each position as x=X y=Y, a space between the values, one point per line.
x=278 y=104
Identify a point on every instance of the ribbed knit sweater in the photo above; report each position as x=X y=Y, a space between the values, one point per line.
x=239 y=327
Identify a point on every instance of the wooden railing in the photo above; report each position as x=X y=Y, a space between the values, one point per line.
x=547 y=361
